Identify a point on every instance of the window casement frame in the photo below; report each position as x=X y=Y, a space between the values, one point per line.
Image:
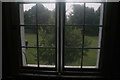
x=59 y=65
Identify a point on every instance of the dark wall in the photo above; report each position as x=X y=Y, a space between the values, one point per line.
x=111 y=46
x=11 y=45
x=0 y=39
x=10 y=54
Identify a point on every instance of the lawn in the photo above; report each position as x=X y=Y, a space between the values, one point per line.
x=88 y=60
x=91 y=57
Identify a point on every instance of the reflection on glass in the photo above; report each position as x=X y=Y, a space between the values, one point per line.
x=74 y=13
x=90 y=58
x=29 y=56
x=47 y=57
x=72 y=58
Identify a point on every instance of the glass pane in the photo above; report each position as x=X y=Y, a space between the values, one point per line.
x=92 y=36
x=29 y=13
x=92 y=13
x=90 y=58
x=47 y=36
x=73 y=36
x=47 y=57
x=72 y=58
x=46 y=13
x=29 y=57
x=74 y=13
x=28 y=36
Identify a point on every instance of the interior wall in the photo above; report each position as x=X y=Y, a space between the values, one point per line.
x=11 y=44
x=111 y=64
x=11 y=40
x=0 y=40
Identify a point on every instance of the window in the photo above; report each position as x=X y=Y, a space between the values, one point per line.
x=38 y=34
x=62 y=36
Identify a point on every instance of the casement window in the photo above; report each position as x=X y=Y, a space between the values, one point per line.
x=61 y=36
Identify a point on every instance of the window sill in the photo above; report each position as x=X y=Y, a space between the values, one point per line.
x=53 y=66
x=54 y=74
x=29 y=76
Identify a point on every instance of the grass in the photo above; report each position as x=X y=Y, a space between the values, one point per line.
x=88 y=60
x=91 y=57
x=31 y=56
x=31 y=52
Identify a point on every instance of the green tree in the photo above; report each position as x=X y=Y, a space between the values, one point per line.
x=91 y=17
x=73 y=38
x=46 y=33
x=47 y=39
x=73 y=35
x=42 y=17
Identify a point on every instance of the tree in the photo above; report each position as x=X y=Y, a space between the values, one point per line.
x=73 y=38
x=42 y=17
x=46 y=33
x=91 y=17
x=73 y=35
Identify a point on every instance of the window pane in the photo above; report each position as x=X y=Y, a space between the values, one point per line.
x=92 y=36
x=90 y=58
x=74 y=13
x=72 y=58
x=46 y=57
x=46 y=13
x=73 y=36
x=92 y=13
x=47 y=36
x=29 y=13
x=28 y=36
x=29 y=57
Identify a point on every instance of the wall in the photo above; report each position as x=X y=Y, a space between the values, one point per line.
x=111 y=47
x=11 y=40
x=111 y=58
x=0 y=40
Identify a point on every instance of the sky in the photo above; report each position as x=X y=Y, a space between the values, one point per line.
x=51 y=6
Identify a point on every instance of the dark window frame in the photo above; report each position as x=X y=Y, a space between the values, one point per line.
x=60 y=23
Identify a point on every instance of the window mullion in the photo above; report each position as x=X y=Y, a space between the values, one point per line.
x=62 y=34
x=83 y=35
x=37 y=35
x=58 y=35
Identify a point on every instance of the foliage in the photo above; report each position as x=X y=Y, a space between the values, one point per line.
x=47 y=39
x=91 y=17
x=73 y=38
x=73 y=35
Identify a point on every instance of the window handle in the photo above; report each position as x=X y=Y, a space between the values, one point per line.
x=26 y=44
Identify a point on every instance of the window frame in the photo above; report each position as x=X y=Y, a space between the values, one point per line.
x=60 y=23
x=30 y=68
